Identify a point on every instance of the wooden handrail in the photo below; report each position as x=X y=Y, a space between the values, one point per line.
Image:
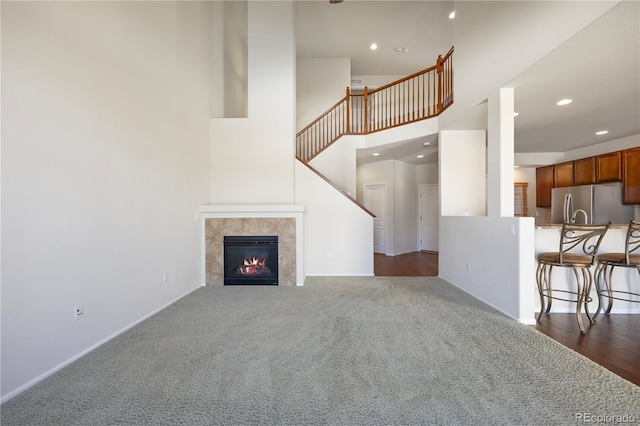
x=424 y=94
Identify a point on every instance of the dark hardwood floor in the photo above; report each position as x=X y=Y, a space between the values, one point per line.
x=416 y=264
x=613 y=342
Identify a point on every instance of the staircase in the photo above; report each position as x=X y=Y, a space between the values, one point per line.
x=425 y=94
x=422 y=95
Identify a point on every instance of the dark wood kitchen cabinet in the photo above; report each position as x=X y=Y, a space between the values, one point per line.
x=631 y=175
x=563 y=174
x=609 y=167
x=584 y=171
x=544 y=184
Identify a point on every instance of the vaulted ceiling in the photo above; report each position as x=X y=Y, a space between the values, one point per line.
x=599 y=67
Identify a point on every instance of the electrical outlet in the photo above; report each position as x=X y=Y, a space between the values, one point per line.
x=78 y=312
x=165 y=277
x=512 y=229
x=468 y=267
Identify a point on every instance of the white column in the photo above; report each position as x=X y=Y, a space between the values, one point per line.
x=500 y=153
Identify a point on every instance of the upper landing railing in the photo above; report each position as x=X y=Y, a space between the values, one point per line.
x=419 y=96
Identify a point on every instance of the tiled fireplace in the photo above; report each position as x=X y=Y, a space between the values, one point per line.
x=283 y=221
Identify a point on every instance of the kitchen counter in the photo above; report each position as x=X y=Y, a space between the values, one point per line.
x=559 y=225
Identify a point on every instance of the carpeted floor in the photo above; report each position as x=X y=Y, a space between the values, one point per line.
x=338 y=351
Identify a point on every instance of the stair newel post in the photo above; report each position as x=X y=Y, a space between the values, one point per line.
x=348 y=124
x=366 y=110
x=439 y=69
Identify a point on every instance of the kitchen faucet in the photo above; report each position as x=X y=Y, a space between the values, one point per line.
x=575 y=213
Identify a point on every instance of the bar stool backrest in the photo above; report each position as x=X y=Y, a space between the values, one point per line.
x=582 y=239
x=633 y=240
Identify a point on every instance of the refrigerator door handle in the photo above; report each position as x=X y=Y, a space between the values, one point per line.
x=568 y=208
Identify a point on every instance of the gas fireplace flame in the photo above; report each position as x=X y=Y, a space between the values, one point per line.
x=254 y=261
x=253 y=266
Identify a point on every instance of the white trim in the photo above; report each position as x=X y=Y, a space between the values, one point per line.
x=76 y=357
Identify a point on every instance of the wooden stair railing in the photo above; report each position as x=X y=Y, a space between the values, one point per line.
x=422 y=95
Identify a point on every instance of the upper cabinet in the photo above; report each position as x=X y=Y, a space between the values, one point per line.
x=609 y=167
x=631 y=175
x=563 y=174
x=544 y=183
x=584 y=171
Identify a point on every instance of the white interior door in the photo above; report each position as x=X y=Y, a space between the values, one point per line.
x=429 y=217
x=375 y=199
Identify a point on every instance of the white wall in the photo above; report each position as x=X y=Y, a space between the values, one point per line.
x=252 y=159
x=603 y=148
x=320 y=84
x=338 y=234
x=427 y=173
x=481 y=256
x=402 y=201
x=235 y=61
x=461 y=155
x=105 y=137
x=338 y=163
x=405 y=201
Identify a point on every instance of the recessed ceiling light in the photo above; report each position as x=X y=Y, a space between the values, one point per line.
x=373 y=46
x=516 y=167
x=602 y=132
x=564 y=102
x=420 y=156
x=515 y=114
x=375 y=154
x=426 y=144
x=452 y=15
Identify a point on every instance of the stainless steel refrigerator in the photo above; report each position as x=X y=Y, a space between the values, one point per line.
x=590 y=204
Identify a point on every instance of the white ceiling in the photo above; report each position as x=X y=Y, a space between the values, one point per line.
x=599 y=68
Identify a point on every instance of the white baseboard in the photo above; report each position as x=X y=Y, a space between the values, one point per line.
x=76 y=357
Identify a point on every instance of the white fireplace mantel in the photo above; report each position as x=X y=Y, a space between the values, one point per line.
x=258 y=211
x=244 y=209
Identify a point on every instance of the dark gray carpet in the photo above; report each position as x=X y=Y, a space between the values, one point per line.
x=338 y=351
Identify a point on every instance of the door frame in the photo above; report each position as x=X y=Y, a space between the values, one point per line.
x=420 y=187
x=386 y=210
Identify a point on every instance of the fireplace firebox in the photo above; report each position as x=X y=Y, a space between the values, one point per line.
x=250 y=260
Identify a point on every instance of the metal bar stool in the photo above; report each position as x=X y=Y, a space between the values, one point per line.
x=578 y=250
x=607 y=262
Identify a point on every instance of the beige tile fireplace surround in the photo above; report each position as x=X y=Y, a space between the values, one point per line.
x=285 y=221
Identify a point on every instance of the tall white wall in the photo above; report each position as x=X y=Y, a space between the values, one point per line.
x=252 y=159
x=320 y=84
x=105 y=148
x=338 y=234
x=235 y=61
